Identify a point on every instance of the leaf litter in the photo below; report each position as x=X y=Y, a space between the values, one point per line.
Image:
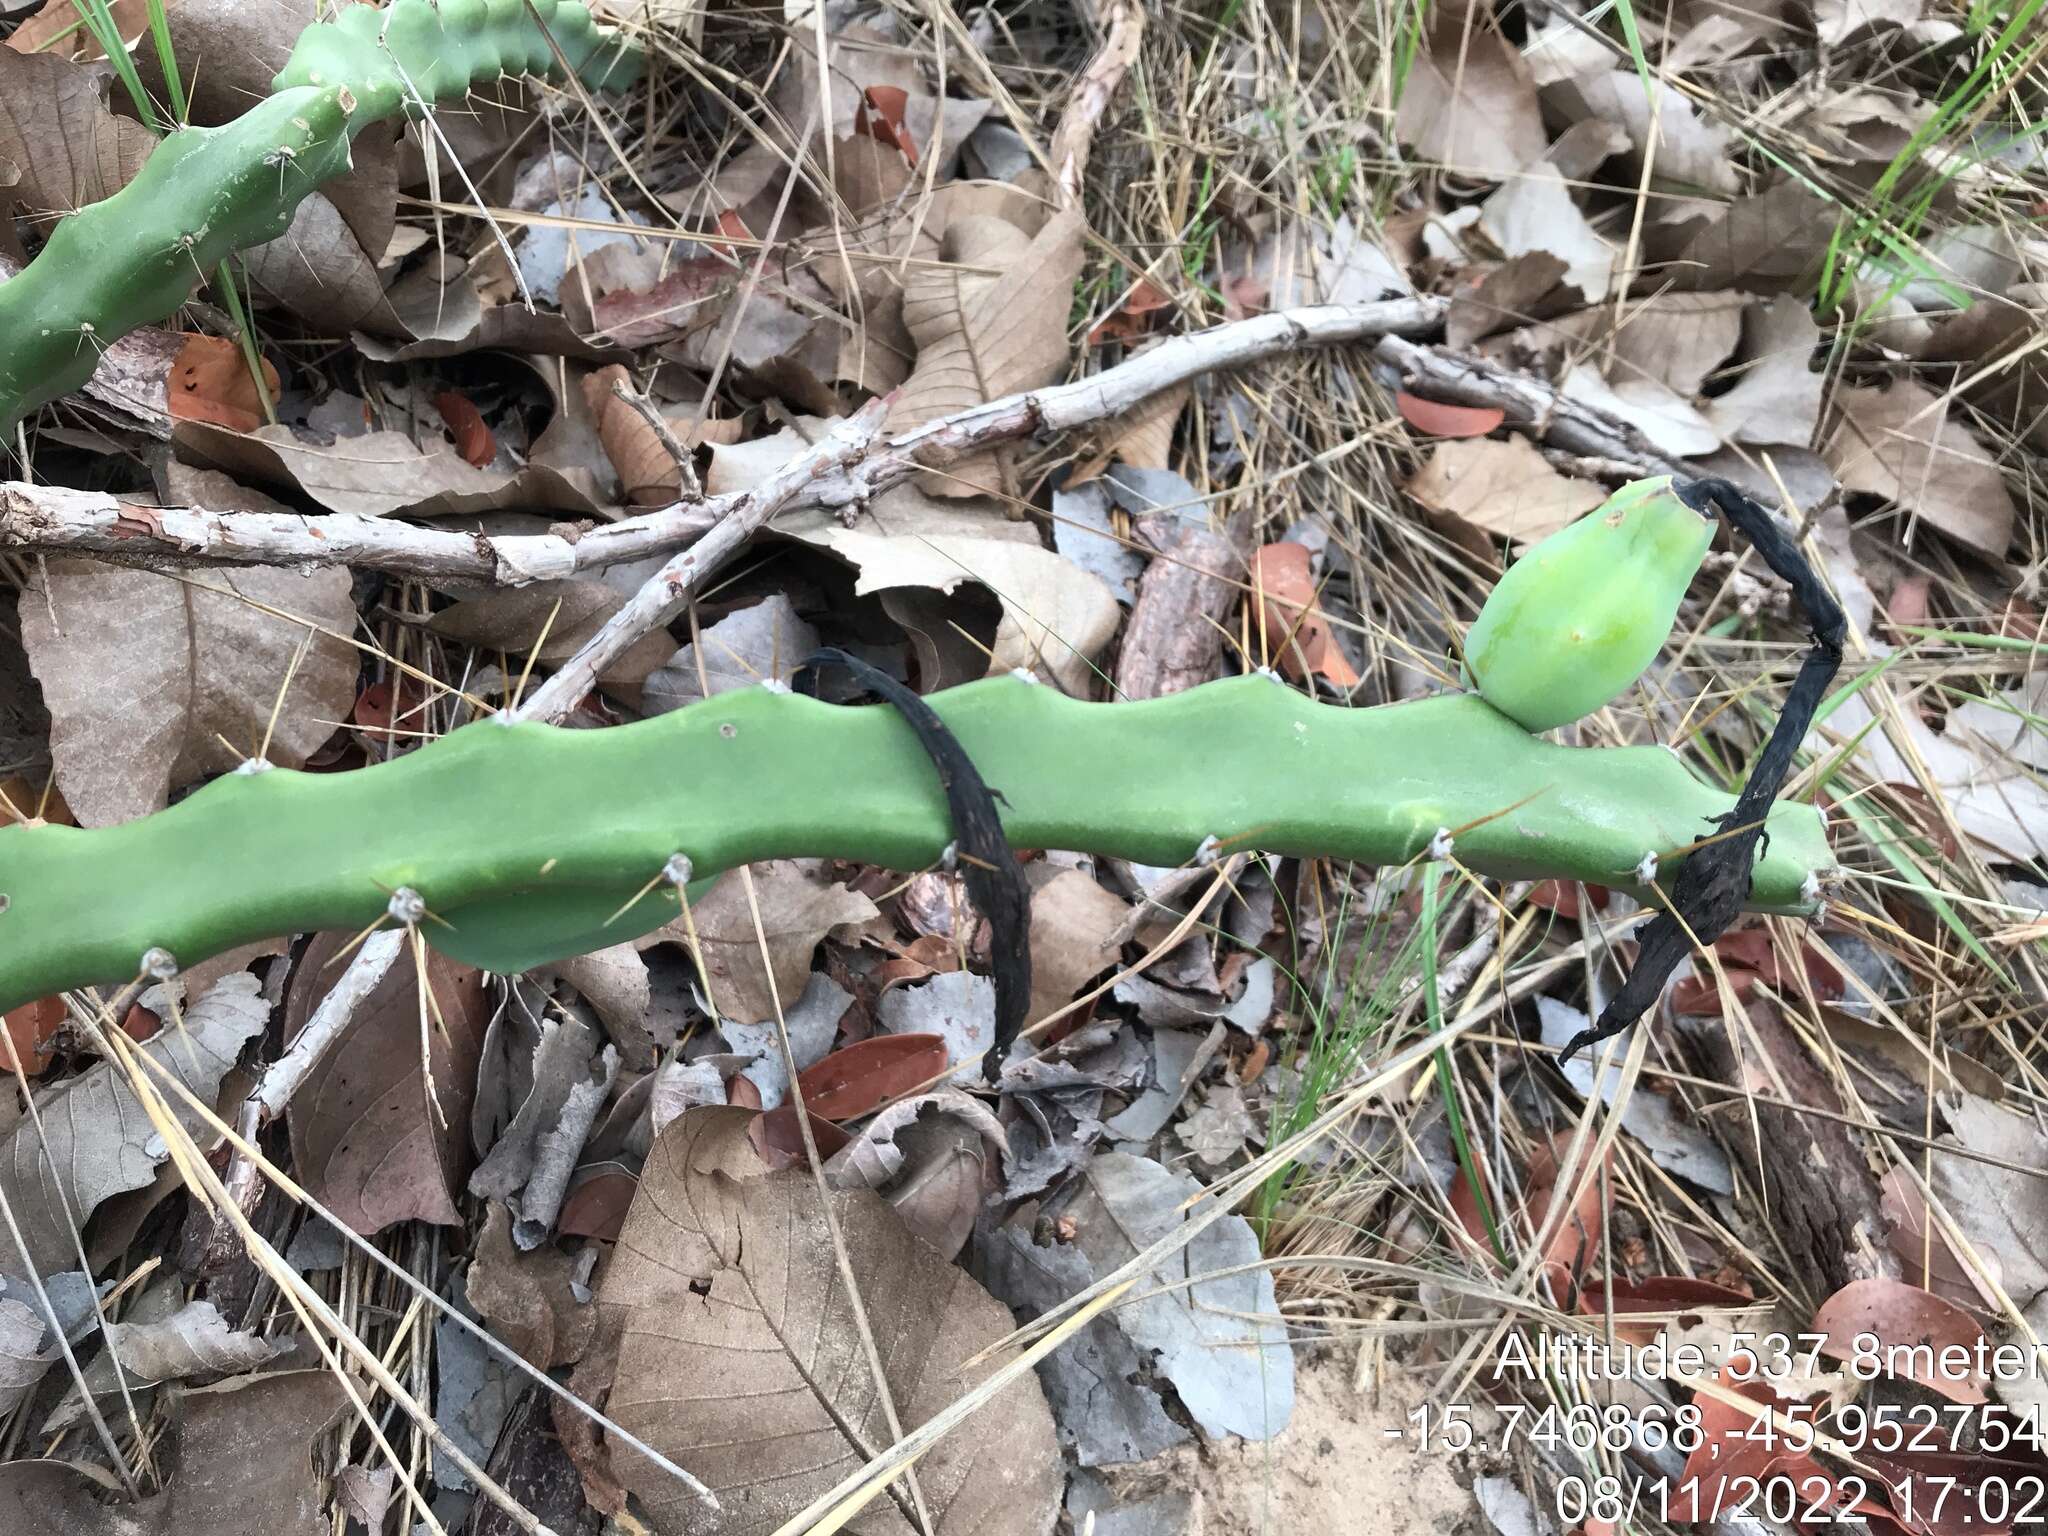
x=1739 y=262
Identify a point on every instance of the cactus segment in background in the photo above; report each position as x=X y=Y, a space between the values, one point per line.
x=1576 y=620
x=204 y=193
x=523 y=840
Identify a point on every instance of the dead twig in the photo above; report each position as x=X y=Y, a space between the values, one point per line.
x=51 y=519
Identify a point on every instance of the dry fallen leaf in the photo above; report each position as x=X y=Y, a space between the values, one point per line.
x=1777 y=395
x=1768 y=242
x=1503 y=488
x=1904 y=1318
x=1293 y=629
x=528 y=1298
x=367 y=1139
x=1692 y=153
x=100 y=1141
x=153 y=681
x=1469 y=103
x=1057 y=617
x=799 y=907
x=243 y=1454
x=1074 y=923
x=983 y=336
x=371 y=475
x=1899 y=443
x=549 y=621
x=737 y=1352
x=60 y=147
x=210 y=381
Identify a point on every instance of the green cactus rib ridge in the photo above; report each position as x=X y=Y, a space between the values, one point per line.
x=132 y=259
x=525 y=840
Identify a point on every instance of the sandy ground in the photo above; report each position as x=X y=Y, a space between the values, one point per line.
x=1335 y=1469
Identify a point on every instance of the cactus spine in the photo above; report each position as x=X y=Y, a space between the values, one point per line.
x=204 y=193
x=524 y=839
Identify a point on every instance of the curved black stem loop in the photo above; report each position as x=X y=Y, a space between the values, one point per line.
x=1714 y=881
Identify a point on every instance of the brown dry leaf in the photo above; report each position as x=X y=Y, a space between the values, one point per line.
x=799 y=907
x=1777 y=395
x=1675 y=339
x=527 y=1297
x=439 y=310
x=1899 y=443
x=614 y=982
x=1518 y=289
x=367 y=1139
x=100 y=1141
x=2013 y=388
x=1292 y=625
x=65 y=148
x=146 y=674
x=195 y=1340
x=983 y=336
x=1502 y=488
x=1905 y=1318
x=558 y=616
x=935 y=1159
x=1769 y=242
x=1692 y=150
x=1074 y=923
x=647 y=473
x=1469 y=103
x=737 y=1351
x=244 y=1458
x=767 y=640
x=1535 y=214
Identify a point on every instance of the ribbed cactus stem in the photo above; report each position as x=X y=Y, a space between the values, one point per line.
x=204 y=193
x=525 y=841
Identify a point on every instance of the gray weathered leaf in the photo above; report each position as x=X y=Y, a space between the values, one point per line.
x=100 y=1141
x=153 y=681
x=243 y=1458
x=1219 y=1341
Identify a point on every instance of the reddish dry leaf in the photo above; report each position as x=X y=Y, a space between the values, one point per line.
x=28 y=1029
x=1737 y=1446
x=1749 y=956
x=1294 y=628
x=209 y=381
x=1573 y=1247
x=859 y=1079
x=1562 y=897
x=1661 y=1294
x=473 y=439
x=391 y=706
x=779 y=1140
x=597 y=1206
x=1132 y=318
x=1936 y=1342
x=879 y=116
x=1435 y=419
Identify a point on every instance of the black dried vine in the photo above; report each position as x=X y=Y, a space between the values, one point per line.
x=994 y=879
x=1714 y=882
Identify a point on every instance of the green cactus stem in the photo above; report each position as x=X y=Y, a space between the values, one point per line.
x=522 y=840
x=204 y=193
